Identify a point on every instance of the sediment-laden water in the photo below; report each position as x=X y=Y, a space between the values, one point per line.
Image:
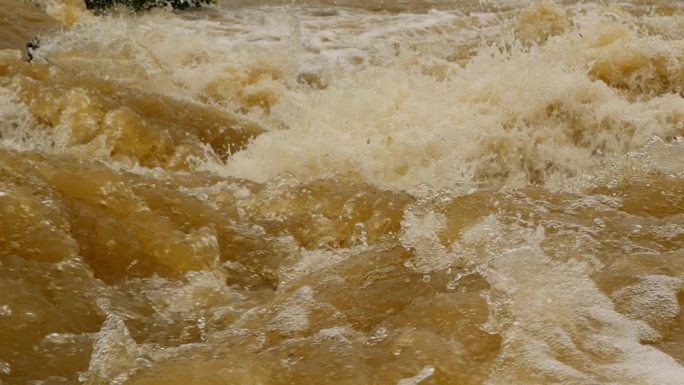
x=348 y=192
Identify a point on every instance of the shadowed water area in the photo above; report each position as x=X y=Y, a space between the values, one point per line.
x=343 y=192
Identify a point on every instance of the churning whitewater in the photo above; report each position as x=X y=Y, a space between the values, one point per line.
x=342 y=192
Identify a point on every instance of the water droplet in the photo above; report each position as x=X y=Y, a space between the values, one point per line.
x=379 y=335
x=31 y=316
x=5 y=367
x=5 y=311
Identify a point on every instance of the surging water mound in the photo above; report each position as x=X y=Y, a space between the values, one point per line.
x=432 y=101
x=132 y=253
x=91 y=116
x=467 y=287
x=535 y=115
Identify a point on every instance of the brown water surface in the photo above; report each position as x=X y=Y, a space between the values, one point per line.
x=451 y=192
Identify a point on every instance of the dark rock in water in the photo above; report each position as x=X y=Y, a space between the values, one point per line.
x=31 y=46
x=140 y=5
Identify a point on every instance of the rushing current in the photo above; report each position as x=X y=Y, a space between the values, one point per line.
x=343 y=192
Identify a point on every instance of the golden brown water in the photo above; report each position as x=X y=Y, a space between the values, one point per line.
x=449 y=192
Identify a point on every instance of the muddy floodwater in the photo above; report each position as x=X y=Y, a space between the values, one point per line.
x=343 y=192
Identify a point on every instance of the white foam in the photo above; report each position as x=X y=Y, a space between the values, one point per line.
x=394 y=110
x=424 y=373
x=114 y=353
x=552 y=317
x=293 y=313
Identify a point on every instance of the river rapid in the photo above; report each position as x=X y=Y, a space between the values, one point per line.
x=343 y=192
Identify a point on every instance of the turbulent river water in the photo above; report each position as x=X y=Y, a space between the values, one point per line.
x=343 y=192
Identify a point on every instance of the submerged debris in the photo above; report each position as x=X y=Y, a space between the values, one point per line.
x=31 y=46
